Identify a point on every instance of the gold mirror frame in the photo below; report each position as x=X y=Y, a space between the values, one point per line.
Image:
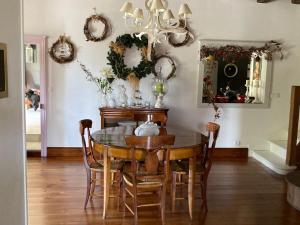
x=4 y=93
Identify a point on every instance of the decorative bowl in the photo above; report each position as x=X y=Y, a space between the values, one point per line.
x=147 y=129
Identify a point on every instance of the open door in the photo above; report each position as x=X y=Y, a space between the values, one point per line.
x=35 y=94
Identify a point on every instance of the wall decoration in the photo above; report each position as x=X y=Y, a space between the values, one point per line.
x=62 y=51
x=235 y=52
x=116 y=57
x=236 y=72
x=188 y=37
x=88 y=30
x=30 y=53
x=103 y=84
x=172 y=63
x=3 y=71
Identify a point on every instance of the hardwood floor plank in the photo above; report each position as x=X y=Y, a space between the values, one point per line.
x=239 y=193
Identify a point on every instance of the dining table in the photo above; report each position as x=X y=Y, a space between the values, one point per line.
x=111 y=143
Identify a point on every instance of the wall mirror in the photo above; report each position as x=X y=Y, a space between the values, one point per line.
x=235 y=73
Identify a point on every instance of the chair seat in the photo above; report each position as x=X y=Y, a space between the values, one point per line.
x=182 y=166
x=96 y=166
x=114 y=165
x=143 y=180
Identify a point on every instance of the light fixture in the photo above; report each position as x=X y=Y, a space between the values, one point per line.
x=160 y=20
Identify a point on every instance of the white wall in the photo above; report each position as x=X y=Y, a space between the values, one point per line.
x=71 y=98
x=12 y=154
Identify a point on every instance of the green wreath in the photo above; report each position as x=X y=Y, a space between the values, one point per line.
x=116 y=57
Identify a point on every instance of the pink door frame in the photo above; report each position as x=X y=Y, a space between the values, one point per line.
x=42 y=42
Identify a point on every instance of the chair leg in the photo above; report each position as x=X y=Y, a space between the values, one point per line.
x=93 y=184
x=135 y=206
x=203 y=191
x=163 y=204
x=119 y=188
x=173 y=194
x=124 y=197
x=88 y=188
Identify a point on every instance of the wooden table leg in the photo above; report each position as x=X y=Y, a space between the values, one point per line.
x=191 y=184
x=106 y=181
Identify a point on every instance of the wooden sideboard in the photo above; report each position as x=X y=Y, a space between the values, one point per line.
x=111 y=116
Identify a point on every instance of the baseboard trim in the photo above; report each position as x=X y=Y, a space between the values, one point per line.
x=64 y=152
x=231 y=153
x=220 y=153
x=33 y=153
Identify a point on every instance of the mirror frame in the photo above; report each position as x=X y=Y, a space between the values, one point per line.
x=245 y=44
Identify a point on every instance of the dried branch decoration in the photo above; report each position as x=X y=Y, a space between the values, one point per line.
x=86 y=29
x=62 y=51
x=235 y=52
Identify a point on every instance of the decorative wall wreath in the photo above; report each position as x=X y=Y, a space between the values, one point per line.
x=116 y=57
x=188 y=37
x=62 y=51
x=172 y=63
x=86 y=29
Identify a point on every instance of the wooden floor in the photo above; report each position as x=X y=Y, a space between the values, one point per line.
x=239 y=192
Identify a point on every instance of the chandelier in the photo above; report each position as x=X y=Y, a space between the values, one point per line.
x=160 y=20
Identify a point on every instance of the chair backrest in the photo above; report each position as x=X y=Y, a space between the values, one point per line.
x=88 y=157
x=154 y=117
x=153 y=146
x=213 y=132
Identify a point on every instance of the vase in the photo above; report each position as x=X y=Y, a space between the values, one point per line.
x=103 y=101
x=111 y=103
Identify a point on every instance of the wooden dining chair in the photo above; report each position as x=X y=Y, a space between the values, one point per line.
x=148 y=173
x=159 y=118
x=93 y=166
x=203 y=166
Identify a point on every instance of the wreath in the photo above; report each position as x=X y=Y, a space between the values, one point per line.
x=188 y=37
x=62 y=51
x=172 y=73
x=116 y=57
x=86 y=29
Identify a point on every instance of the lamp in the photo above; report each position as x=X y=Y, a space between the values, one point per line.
x=160 y=21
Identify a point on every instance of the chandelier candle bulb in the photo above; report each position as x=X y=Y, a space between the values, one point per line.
x=138 y=14
x=184 y=11
x=157 y=6
x=127 y=8
x=168 y=15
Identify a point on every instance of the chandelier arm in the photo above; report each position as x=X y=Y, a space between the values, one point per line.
x=174 y=31
x=191 y=35
x=149 y=50
x=165 y=3
x=147 y=4
x=150 y=20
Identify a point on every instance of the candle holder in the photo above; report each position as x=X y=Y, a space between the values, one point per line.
x=160 y=89
x=256 y=86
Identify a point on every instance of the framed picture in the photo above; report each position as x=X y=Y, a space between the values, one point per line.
x=3 y=71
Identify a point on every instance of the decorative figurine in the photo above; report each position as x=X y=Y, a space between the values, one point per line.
x=122 y=97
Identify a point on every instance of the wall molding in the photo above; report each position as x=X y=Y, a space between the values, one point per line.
x=220 y=153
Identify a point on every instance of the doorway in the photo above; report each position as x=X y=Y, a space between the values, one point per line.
x=35 y=94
